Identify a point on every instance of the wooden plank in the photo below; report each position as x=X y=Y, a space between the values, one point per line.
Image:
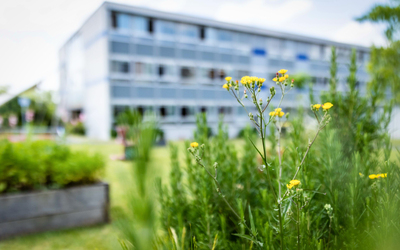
x=37 y=204
x=52 y=222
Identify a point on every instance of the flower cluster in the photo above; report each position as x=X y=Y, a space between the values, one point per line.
x=282 y=77
x=277 y=112
x=326 y=106
x=377 y=176
x=293 y=183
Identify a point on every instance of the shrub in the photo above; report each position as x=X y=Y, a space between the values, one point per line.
x=44 y=164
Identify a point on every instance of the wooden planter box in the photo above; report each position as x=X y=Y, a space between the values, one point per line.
x=40 y=211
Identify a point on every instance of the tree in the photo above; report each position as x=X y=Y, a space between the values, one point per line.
x=384 y=64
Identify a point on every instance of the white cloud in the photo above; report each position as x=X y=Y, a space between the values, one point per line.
x=259 y=12
x=360 y=33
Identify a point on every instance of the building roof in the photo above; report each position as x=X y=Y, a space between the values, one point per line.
x=14 y=92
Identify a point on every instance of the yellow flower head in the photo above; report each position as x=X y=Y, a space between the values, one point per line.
x=261 y=80
x=225 y=86
x=280 y=114
x=286 y=76
x=278 y=109
x=254 y=78
x=294 y=182
x=228 y=78
x=289 y=186
x=372 y=176
x=327 y=105
x=272 y=113
x=381 y=175
x=281 y=79
x=194 y=144
x=316 y=106
x=282 y=71
x=275 y=79
x=245 y=80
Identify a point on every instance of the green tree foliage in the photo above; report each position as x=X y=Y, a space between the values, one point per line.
x=384 y=65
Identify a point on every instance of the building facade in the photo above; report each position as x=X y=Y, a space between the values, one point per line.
x=174 y=65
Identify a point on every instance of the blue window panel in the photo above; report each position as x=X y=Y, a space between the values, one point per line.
x=121 y=92
x=188 y=54
x=167 y=52
x=208 y=94
x=259 y=52
x=145 y=50
x=225 y=95
x=226 y=58
x=120 y=48
x=143 y=92
x=168 y=93
x=302 y=57
x=244 y=59
x=207 y=56
x=188 y=94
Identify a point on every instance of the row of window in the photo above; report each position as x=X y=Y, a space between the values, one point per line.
x=144 y=92
x=188 y=32
x=182 y=111
x=169 y=52
x=169 y=70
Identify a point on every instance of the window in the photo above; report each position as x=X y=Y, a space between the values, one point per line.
x=224 y=36
x=166 y=70
x=208 y=73
x=119 y=67
x=122 y=21
x=187 y=111
x=189 y=31
x=222 y=74
x=187 y=72
x=141 y=24
x=167 y=111
x=225 y=110
x=120 y=92
x=203 y=109
x=143 y=68
x=166 y=28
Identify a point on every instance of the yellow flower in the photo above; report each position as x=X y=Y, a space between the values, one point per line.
x=225 y=86
x=316 y=106
x=286 y=76
x=272 y=113
x=278 y=110
x=289 y=186
x=194 y=144
x=280 y=114
x=254 y=78
x=261 y=80
x=275 y=79
x=282 y=71
x=372 y=176
x=327 y=105
x=281 y=79
x=294 y=182
x=382 y=175
x=228 y=78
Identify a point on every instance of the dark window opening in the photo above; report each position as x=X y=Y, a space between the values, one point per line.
x=161 y=70
x=187 y=72
x=202 y=33
x=211 y=74
x=184 y=111
x=203 y=110
x=163 y=112
x=221 y=110
x=151 y=25
x=222 y=74
x=114 y=23
x=140 y=109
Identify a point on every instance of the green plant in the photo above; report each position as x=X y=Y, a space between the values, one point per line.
x=43 y=164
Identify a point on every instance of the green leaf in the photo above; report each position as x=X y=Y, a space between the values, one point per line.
x=247 y=237
x=257 y=150
x=253 y=227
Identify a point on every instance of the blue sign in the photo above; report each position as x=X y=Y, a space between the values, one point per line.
x=259 y=52
x=302 y=57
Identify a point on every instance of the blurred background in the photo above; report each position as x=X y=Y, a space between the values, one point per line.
x=79 y=77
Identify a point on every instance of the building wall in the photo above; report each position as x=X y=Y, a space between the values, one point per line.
x=150 y=60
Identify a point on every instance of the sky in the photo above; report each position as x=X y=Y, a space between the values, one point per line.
x=32 y=32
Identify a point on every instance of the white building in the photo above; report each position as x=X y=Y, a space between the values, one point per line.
x=124 y=56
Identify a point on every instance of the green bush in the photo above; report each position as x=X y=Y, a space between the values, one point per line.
x=35 y=165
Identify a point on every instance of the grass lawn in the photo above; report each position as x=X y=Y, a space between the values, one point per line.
x=96 y=237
